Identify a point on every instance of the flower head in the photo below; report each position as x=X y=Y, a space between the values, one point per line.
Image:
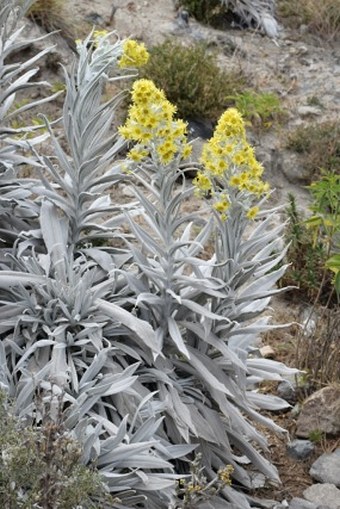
x=230 y=168
x=134 y=54
x=152 y=125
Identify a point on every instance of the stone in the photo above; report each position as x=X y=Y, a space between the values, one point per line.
x=293 y=169
x=308 y=111
x=321 y=411
x=267 y=352
x=323 y=495
x=300 y=449
x=286 y=391
x=301 y=503
x=326 y=469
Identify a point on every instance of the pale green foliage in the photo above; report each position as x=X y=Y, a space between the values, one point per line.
x=152 y=350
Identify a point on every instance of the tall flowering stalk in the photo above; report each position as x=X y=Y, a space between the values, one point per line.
x=204 y=313
x=231 y=172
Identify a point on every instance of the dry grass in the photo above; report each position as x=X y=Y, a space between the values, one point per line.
x=319 y=146
x=52 y=16
x=318 y=353
x=321 y=17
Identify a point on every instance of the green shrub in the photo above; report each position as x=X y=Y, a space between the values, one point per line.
x=40 y=466
x=319 y=144
x=192 y=79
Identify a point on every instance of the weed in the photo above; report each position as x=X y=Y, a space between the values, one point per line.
x=316 y=436
x=259 y=108
x=192 y=79
x=312 y=243
x=319 y=144
x=307 y=257
x=314 y=100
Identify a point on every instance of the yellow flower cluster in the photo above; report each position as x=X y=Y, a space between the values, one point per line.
x=224 y=474
x=229 y=163
x=151 y=124
x=134 y=54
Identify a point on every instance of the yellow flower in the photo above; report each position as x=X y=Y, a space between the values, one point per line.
x=137 y=154
x=231 y=124
x=134 y=54
x=235 y=181
x=224 y=474
x=202 y=182
x=150 y=121
x=99 y=34
x=222 y=206
x=186 y=150
x=252 y=212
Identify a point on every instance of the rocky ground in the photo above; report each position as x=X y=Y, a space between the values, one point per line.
x=304 y=71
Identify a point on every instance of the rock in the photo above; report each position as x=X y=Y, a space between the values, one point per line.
x=300 y=449
x=267 y=352
x=127 y=191
x=307 y=111
x=95 y=18
x=323 y=495
x=293 y=169
x=258 y=480
x=286 y=391
x=198 y=128
x=182 y=18
x=326 y=469
x=301 y=503
x=321 y=411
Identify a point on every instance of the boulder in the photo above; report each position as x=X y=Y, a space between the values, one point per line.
x=326 y=469
x=301 y=503
x=323 y=495
x=300 y=449
x=321 y=411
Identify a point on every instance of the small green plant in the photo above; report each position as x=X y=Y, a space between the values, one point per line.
x=40 y=466
x=325 y=220
x=307 y=256
x=192 y=79
x=313 y=254
x=316 y=436
x=259 y=108
x=319 y=144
